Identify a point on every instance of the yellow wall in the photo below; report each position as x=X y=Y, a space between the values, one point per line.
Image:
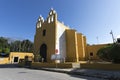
x=49 y=39
x=80 y=46
x=4 y=60
x=71 y=43
x=53 y=65
x=93 y=49
x=20 y=55
x=85 y=47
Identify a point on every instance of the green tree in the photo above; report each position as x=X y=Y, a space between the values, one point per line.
x=4 y=45
x=15 y=46
x=8 y=45
x=27 y=46
x=104 y=53
x=115 y=53
x=0 y=50
x=3 y=42
x=6 y=50
x=110 y=53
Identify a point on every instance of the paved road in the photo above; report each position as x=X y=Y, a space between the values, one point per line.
x=14 y=73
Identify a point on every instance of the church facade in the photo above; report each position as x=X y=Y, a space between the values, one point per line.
x=55 y=41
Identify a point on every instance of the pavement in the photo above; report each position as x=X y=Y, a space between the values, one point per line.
x=16 y=73
x=102 y=74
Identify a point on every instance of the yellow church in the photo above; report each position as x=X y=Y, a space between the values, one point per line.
x=55 y=41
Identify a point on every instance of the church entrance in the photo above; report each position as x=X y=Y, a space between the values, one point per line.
x=43 y=52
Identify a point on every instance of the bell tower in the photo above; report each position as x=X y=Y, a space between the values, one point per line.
x=52 y=16
x=45 y=37
x=40 y=22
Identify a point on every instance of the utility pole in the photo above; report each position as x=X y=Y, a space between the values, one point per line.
x=112 y=36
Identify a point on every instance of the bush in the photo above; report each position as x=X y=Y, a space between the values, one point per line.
x=0 y=50
x=103 y=53
x=110 y=53
x=115 y=53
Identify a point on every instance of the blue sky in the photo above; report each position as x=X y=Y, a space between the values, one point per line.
x=93 y=18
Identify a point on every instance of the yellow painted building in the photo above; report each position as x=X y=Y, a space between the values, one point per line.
x=15 y=57
x=54 y=40
x=4 y=60
x=91 y=51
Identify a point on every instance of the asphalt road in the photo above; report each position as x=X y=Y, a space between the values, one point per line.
x=14 y=73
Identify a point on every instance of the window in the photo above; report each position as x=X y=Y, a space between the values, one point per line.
x=15 y=59
x=52 y=18
x=91 y=54
x=44 y=32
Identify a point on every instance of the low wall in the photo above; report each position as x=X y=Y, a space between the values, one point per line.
x=4 y=60
x=54 y=65
x=101 y=66
x=21 y=64
x=51 y=65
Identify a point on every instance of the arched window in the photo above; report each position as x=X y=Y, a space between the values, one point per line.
x=48 y=20
x=40 y=24
x=44 y=32
x=52 y=18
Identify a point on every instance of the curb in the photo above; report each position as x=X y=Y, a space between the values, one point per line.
x=74 y=73
x=79 y=73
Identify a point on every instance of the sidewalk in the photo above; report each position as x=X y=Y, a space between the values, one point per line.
x=109 y=75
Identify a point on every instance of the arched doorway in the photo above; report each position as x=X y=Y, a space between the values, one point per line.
x=43 y=52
